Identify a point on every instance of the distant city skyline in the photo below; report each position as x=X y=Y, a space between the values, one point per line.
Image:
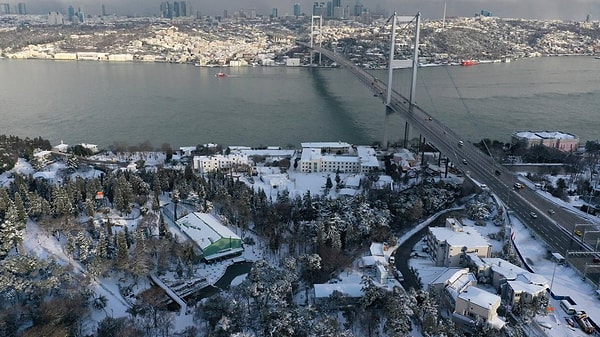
x=430 y=9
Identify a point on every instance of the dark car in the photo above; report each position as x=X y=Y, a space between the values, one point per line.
x=497 y=173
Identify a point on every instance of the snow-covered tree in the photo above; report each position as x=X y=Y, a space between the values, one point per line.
x=11 y=230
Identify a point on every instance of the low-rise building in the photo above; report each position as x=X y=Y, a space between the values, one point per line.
x=206 y=164
x=214 y=239
x=554 y=139
x=449 y=246
x=337 y=157
x=473 y=306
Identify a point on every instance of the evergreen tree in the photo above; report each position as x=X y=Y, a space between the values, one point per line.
x=102 y=245
x=4 y=201
x=22 y=214
x=122 y=256
x=11 y=230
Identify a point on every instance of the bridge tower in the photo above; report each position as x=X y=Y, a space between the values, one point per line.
x=315 y=32
x=396 y=64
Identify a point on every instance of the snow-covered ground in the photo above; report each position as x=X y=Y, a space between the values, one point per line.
x=564 y=280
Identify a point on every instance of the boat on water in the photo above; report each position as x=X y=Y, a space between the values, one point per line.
x=468 y=62
x=220 y=74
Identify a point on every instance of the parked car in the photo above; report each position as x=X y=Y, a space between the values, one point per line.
x=569 y=321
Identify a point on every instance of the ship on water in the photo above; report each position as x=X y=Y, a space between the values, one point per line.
x=220 y=74
x=468 y=62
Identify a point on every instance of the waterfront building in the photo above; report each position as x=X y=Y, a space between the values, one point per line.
x=555 y=139
x=337 y=157
x=206 y=164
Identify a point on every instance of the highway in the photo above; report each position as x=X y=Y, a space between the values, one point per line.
x=556 y=230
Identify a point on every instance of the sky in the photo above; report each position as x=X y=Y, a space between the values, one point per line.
x=430 y=9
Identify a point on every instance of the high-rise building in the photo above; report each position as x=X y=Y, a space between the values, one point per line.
x=22 y=10
x=337 y=3
x=319 y=9
x=166 y=10
x=274 y=12
x=358 y=8
x=103 y=10
x=55 y=18
x=182 y=8
x=253 y=13
x=80 y=15
x=70 y=13
x=4 y=8
x=176 y=9
x=329 y=9
x=296 y=9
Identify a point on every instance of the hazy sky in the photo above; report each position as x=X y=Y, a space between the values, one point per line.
x=430 y=9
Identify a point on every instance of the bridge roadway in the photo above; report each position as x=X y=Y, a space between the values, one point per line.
x=556 y=230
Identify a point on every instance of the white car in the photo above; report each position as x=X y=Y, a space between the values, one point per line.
x=533 y=215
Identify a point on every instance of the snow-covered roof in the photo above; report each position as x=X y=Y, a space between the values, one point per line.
x=341 y=158
x=544 y=135
x=449 y=275
x=376 y=249
x=268 y=152
x=519 y=286
x=371 y=260
x=350 y=289
x=468 y=237
x=480 y=297
x=353 y=181
x=204 y=229
x=320 y=145
x=367 y=156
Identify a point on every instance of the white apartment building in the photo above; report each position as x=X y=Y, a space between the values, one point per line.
x=337 y=157
x=474 y=304
x=449 y=246
x=206 y=164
